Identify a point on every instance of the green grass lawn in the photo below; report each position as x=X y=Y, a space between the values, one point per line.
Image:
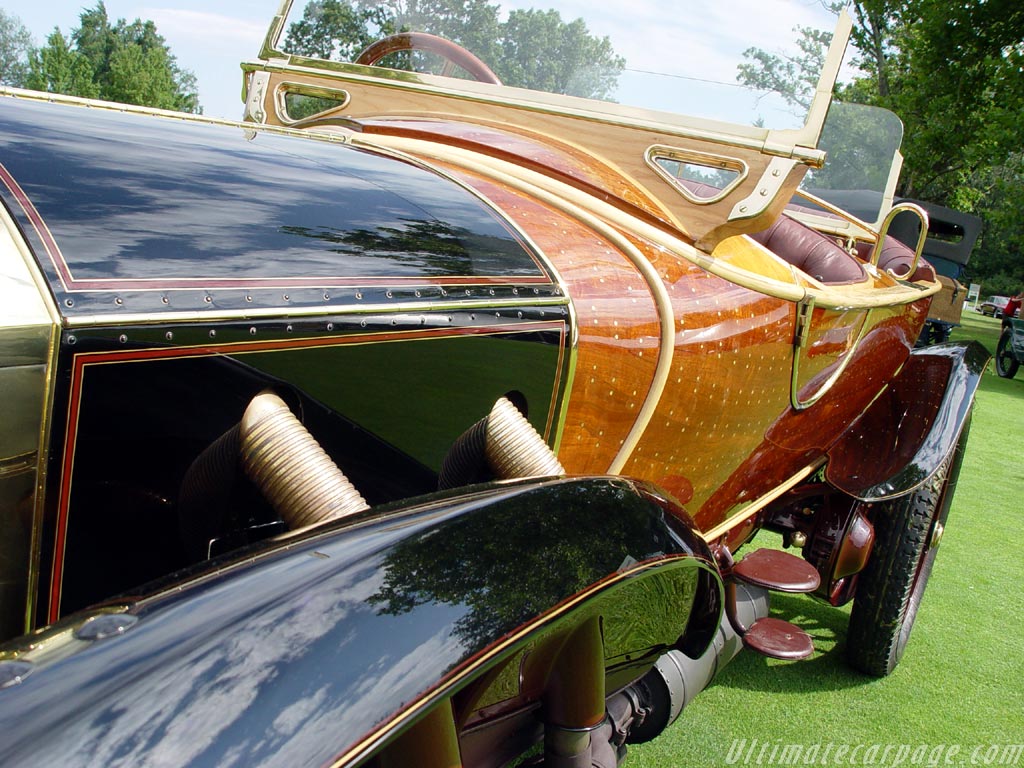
x=962 y=678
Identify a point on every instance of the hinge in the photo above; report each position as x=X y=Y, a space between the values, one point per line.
x=804 y=313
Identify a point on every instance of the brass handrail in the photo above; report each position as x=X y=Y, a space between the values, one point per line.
x=897 y=209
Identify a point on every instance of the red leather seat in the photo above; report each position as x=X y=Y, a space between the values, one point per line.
x=898 y=257
x=807 y=249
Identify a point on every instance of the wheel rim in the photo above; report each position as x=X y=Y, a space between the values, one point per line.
x=1004 y=356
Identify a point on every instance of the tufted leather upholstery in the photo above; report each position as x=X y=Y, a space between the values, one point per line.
x=809 y=250
x=898 y=257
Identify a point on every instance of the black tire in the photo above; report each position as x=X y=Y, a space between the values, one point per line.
x=890 y=588
x=1006 y=363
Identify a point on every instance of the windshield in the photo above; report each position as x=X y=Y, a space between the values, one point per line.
x=640 y=54
x=862 y=145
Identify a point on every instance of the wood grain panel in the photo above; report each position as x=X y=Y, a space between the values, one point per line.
x=617 y=327
x=511 y=143
x=724 y=433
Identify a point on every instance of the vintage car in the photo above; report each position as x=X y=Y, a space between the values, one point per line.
x=994 y=306
x=427 y=428
x=1010 y=349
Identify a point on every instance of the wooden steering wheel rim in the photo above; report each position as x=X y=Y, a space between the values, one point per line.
x=421 y=41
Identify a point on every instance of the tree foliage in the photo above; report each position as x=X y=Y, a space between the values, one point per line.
x=332 y=29
x=15 y=46
x=123 y=62
x=58 y=68
x=793 y=76
x=954 y=73
x=530 y=49
x=540 y=51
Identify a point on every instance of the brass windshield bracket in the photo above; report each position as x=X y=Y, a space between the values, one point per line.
x=768 y=186
x=256 y=97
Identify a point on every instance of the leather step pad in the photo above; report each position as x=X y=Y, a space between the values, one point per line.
x=777 y=570
x=778 y=639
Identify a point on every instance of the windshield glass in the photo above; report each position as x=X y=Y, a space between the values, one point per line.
x=862 y=144
x=640 y=54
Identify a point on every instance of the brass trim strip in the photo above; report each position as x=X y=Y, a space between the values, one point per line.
x=758 y=504
x=572 y=348
x=207 y=316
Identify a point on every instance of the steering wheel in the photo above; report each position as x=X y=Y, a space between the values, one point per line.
x=421 y=41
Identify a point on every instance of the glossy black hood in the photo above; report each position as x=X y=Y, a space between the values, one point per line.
x=117 y=202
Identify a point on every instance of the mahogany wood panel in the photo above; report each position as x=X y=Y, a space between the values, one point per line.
x=616 y=324
x=724 y=433
x=551 y=157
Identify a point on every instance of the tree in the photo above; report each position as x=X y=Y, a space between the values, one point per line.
x=542 y=52
x=58 y=68
x=125 y=62
x=15 y=46
x=331 y=29
x=953 y=74
x=792 y=76
x=531 y=49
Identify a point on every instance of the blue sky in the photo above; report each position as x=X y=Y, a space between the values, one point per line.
x=705 y=39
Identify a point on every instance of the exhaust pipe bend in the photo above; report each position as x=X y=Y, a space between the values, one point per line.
x=676 y=679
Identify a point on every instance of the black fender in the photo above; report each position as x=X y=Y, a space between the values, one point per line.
x=323 y=646
x=908 y=430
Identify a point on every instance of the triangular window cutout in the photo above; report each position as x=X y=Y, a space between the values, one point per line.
x=297 y=105
x=701 y=177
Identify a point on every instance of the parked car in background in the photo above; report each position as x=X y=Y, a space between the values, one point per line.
x=419 y=419
x=993 y=306
x=1010 y=350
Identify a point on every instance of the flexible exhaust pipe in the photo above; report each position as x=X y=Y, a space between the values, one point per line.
x=503 y=445
x=290 y=468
